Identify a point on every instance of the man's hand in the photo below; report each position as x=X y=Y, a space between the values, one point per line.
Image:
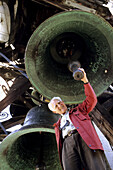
x=84 y=79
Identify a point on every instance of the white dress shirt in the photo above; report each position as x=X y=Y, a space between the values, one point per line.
x=68 y=128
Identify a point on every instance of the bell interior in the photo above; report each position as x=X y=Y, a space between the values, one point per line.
x=35 y=150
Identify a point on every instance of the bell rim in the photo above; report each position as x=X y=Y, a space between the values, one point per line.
x=32 y=79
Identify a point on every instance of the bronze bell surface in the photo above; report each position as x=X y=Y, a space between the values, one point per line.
x=72 y=35
x=34 y=145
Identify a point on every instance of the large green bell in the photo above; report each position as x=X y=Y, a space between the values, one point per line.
x=73 y=35
x=34 y=145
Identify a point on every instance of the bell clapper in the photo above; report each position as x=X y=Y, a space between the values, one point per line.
x=73 y=67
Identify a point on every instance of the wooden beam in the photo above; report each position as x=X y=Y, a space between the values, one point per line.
x=26 y=102
x=13 y=122
x=105 y=113
x=2 y=136
x=108 y=104
x=55 y=4
x=21 y=84
x=104 y=121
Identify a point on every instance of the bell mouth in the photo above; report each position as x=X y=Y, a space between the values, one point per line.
x=46 y=58
x=33 y=150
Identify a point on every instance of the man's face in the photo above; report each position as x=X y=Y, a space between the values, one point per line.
x=59 y=106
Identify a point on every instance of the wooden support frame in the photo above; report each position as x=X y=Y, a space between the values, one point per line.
x=104 y=121
x=13 y=122
x=21 y=84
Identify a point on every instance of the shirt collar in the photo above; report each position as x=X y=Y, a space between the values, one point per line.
x=65 y=112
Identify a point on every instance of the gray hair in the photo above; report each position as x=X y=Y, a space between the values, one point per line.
x=50 y=105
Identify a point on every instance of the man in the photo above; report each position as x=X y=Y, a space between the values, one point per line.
x=78 y=144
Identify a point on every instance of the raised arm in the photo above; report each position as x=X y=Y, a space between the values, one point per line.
x=91 y=99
